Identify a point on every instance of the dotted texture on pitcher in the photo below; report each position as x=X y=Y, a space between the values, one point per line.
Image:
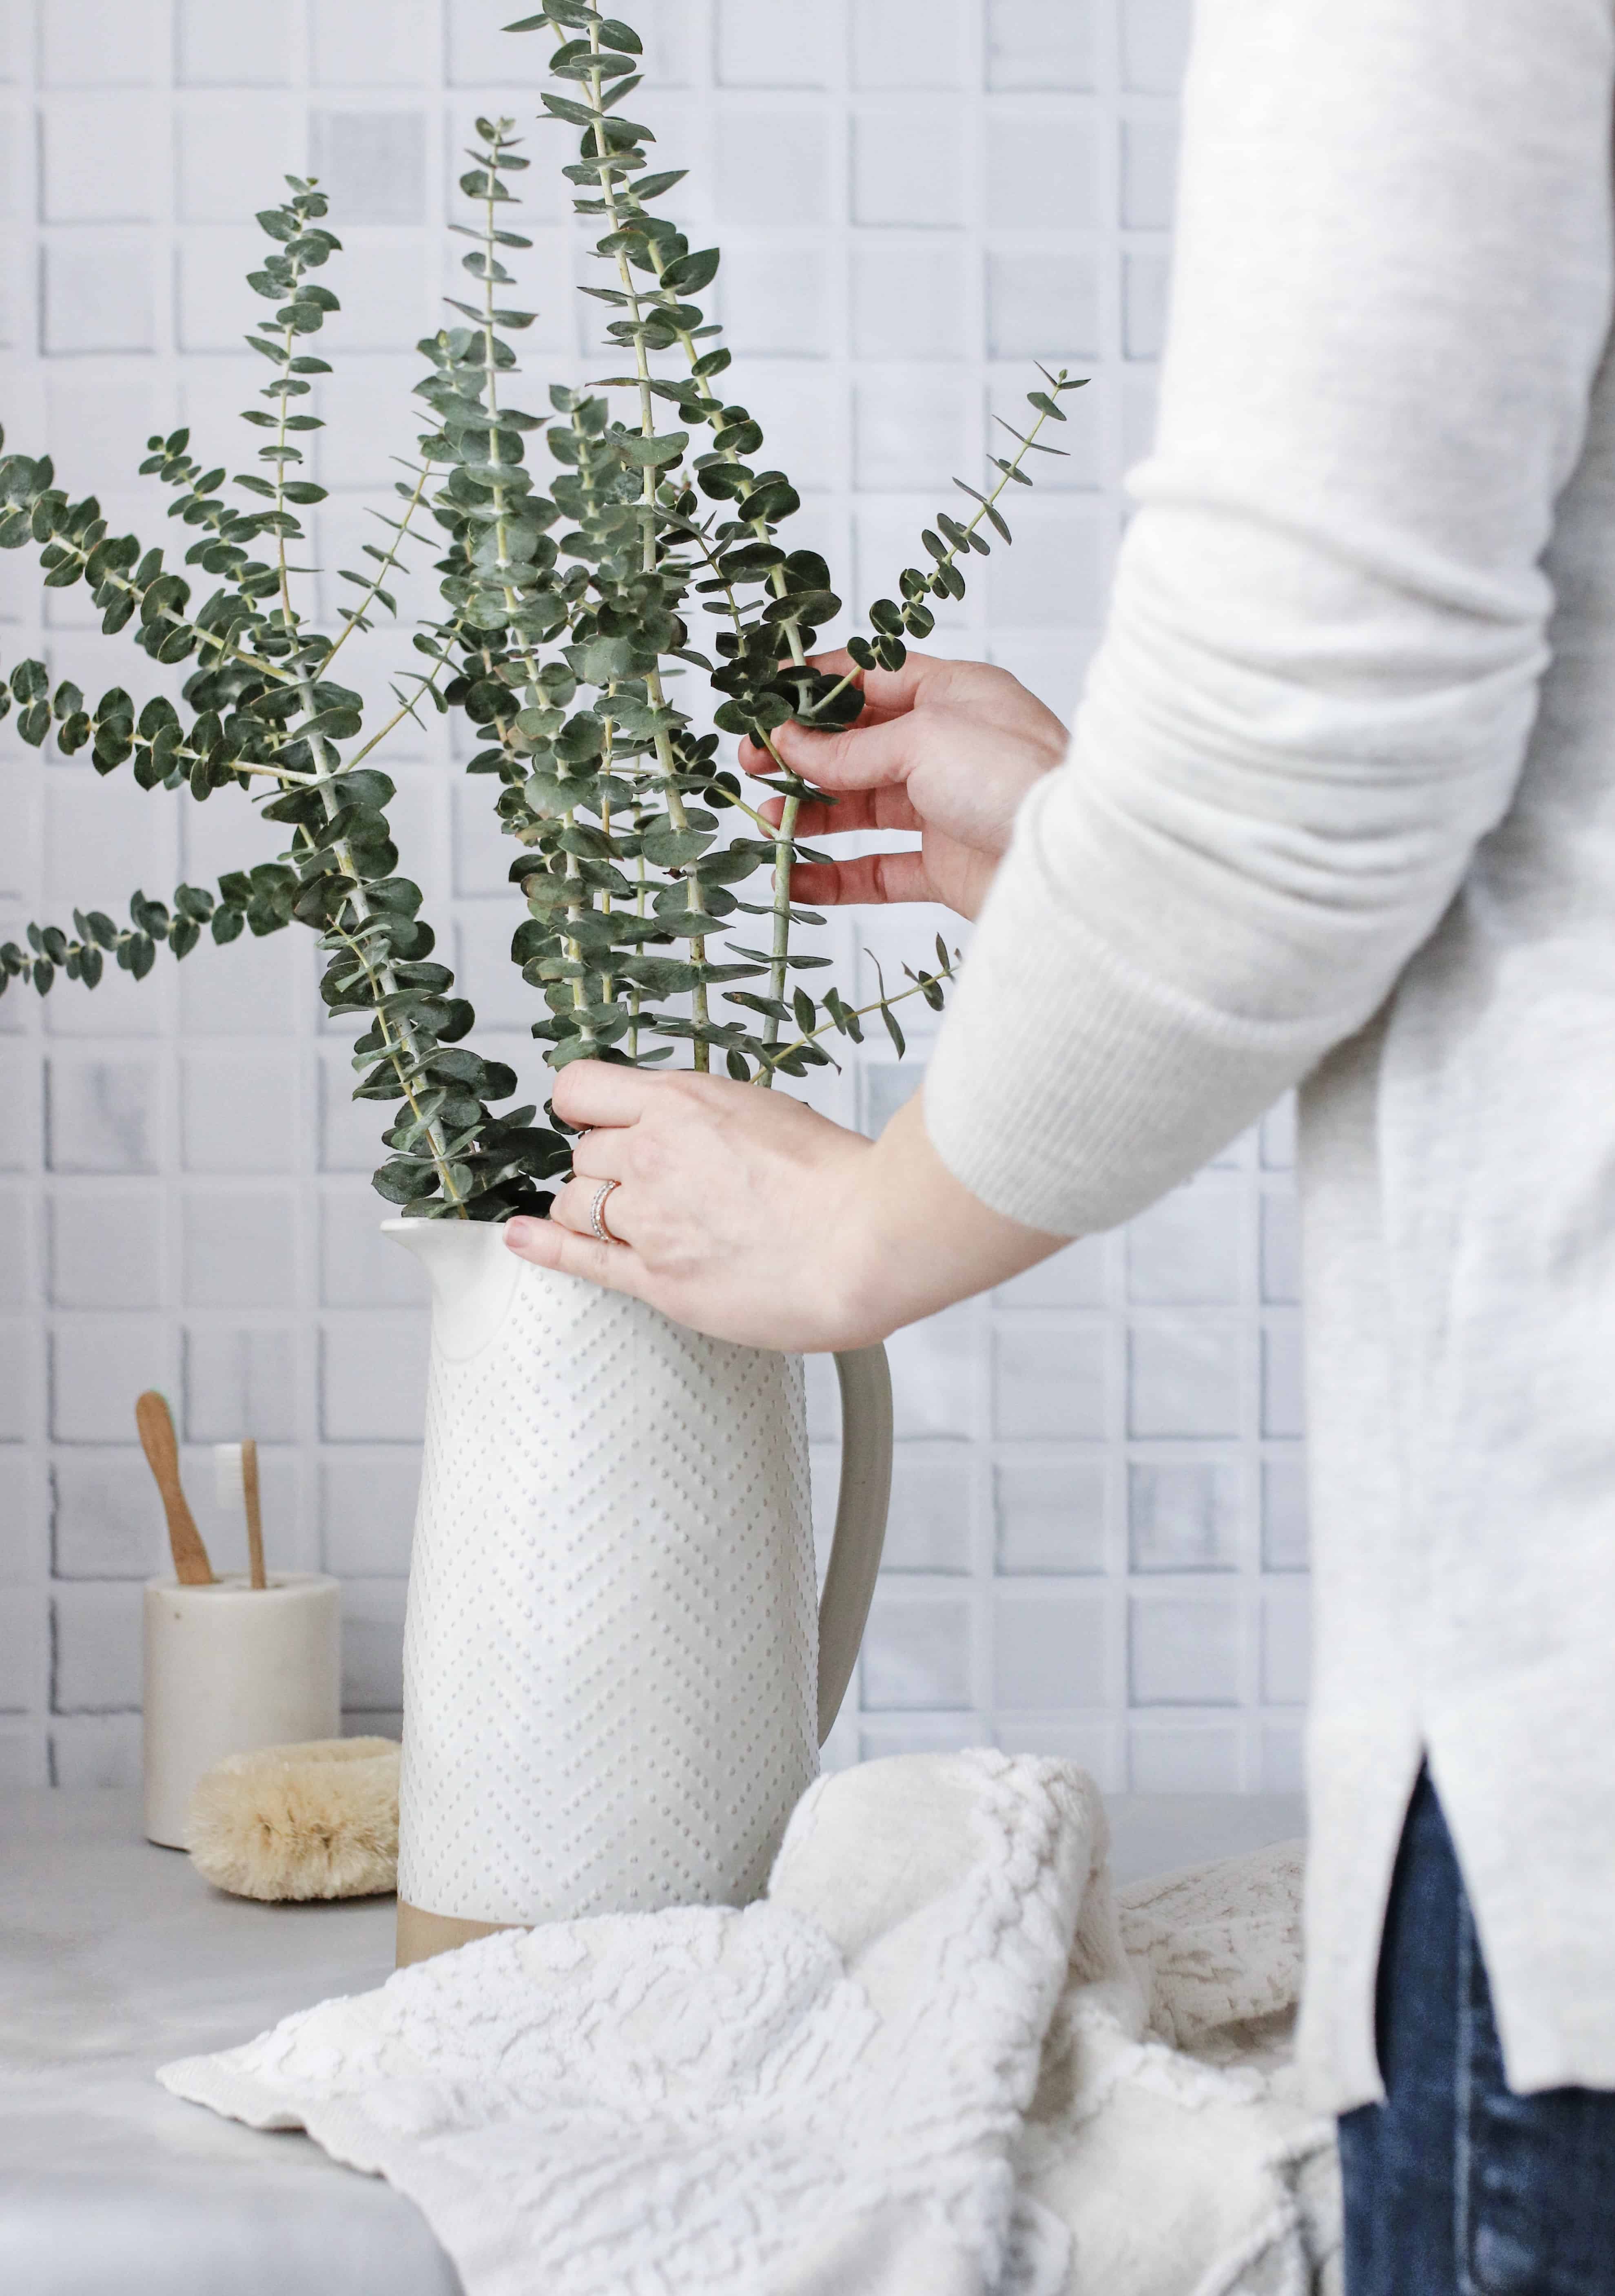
x=611 y=1641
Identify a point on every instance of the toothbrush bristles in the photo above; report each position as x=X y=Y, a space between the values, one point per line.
x=229 y=1487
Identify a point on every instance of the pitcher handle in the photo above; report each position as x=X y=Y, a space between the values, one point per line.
x=860 y=1521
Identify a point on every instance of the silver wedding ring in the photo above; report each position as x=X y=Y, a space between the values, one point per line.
x=596 y=1212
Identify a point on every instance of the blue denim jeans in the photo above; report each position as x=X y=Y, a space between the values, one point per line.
x=1455 y=2187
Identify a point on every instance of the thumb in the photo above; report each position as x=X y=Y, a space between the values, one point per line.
x=857 y=757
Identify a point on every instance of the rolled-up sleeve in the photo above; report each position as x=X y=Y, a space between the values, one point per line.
x=1329 y=621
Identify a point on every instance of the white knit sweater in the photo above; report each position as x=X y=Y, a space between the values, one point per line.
x=1341 y=805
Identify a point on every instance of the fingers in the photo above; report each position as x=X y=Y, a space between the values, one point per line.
x=861 y=758
x=878 y=877
x=601 y=1154
x=894 y=692
x=752 y=759
x=882 y=808
x=601 y=1091
x=889 y=696
x=547 y=1244
x=608 y=1098
x=837 y=662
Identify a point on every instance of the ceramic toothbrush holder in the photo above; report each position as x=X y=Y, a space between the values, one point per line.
x=230 y=1668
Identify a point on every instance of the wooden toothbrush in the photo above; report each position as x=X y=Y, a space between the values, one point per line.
x=157 y=1440
x=236 y=1484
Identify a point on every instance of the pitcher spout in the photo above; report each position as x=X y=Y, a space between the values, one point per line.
x=474 y=1278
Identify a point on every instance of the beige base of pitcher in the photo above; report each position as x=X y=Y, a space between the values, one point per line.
x=421 y=1935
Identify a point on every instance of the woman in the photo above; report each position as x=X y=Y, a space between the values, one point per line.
x=1339 y=808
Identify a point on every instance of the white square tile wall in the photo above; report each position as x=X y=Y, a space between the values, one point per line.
x=1099 y=1540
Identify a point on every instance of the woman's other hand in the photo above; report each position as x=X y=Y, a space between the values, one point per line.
x=945 y=749
x=742 y=1213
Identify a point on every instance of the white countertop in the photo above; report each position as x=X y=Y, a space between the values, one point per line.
x=115 y=1956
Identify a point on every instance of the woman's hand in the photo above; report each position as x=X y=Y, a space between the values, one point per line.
x=733 y=1212
x=742 y=1213
x=946 y=749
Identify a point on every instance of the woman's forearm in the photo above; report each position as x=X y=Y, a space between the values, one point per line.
x=919 y=1240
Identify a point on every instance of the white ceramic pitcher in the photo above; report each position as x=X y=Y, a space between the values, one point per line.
x=616 y=1681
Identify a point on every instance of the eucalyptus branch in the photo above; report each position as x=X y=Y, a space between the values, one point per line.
x=269 y=712
x=846 y=1019
x=125 y=580
x=428 y=691
x=81 y=953
x=370 y=586
x=889 y=619
x=497 y=156
x=660 y=452
x=783 y=832
x=402 y=1051
x=303 y=246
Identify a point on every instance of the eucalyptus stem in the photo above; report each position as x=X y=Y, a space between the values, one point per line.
x=783 y=832
x=401 y=1042
x=386 y=566
x=491 y=269
x=225 y=647
x=785 y=849
x=924 y=985
x=280 y=494
x=948 y=556
x=648 y=427
x=784 y=853
x=402 y=1051
x=382 y=975
x=759 y=526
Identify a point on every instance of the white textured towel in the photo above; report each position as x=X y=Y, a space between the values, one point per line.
x=936 y=2059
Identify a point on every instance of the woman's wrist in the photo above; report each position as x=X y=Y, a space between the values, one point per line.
x=911 y=1239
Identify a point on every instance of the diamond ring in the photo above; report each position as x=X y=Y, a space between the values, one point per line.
x=596 y=1212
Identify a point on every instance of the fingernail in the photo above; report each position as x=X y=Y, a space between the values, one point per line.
x=519 y=1231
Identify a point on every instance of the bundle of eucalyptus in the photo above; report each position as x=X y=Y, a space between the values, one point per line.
x=567 y=605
